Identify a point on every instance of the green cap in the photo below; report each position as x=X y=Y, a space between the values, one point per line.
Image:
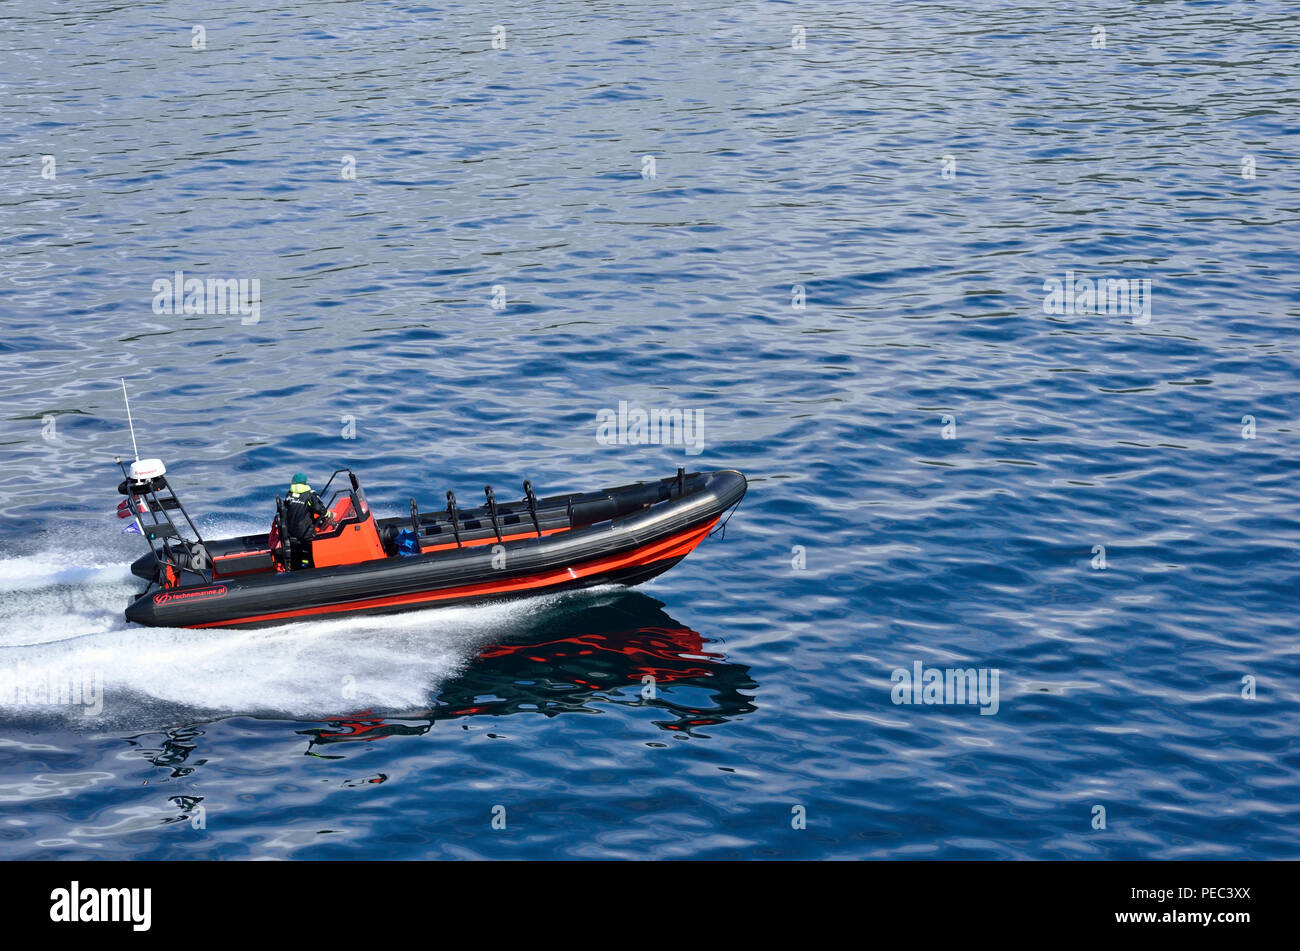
x=299 y=477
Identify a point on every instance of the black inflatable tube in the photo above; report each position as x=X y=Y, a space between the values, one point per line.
x=642 y=516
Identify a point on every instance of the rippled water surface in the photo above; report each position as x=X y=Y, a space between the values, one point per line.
x=939 y=469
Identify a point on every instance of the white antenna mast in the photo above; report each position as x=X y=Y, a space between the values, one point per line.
x=129 y=422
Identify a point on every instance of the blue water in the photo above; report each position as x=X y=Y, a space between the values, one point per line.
x=933 y=459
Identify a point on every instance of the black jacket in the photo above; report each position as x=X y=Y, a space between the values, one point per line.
x=300 y=514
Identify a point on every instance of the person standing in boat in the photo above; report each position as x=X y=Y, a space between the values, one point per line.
x=303 y=509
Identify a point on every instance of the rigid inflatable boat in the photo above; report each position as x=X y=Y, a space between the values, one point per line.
x=360 y=564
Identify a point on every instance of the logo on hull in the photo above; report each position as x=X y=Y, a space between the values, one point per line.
x=168 y=596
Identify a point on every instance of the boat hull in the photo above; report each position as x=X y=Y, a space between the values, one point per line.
x=626 y=550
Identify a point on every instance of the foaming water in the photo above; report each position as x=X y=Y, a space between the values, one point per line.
x=57 y=595
x=67 y=624
x=54 y=569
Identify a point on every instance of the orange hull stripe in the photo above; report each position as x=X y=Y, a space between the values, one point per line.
x=672 y=547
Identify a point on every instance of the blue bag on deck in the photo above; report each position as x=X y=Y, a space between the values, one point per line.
x=408 y=543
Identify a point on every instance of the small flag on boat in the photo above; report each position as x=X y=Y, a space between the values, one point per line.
x=124 y=508
x=132 y=529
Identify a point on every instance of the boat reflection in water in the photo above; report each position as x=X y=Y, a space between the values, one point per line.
x=622 y=650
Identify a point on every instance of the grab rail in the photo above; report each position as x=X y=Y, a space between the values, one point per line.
x=492 y=510
x=334 y=475
x=532 y=506
x=451 y=514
